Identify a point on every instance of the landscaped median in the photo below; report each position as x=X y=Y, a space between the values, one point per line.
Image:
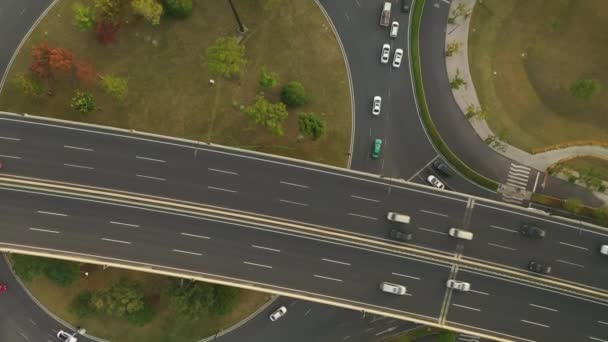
x=424 y=110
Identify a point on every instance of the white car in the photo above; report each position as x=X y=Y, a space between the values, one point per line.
x=386 y=52
x=394 y=29
x=458 y=285
x=278 y=313
x=604 y=249
x=393 y=288
x=435 y=182
x=65 y=337
x=377 y=105
x=397 y=58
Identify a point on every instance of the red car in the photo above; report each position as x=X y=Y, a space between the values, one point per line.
x=3 y=287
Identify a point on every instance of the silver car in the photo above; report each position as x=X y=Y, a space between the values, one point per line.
x=397 y=58
x=434 y=181
x=377 y=105
x=278 y=313
x=386 y=52
x=458 y=285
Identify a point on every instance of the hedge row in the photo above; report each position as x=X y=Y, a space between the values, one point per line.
x=424 y=110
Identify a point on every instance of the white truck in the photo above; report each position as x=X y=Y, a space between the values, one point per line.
x=385 y=16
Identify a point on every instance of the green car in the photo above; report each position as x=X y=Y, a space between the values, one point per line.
x=376 y=148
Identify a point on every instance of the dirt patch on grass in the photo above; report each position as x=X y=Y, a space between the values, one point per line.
x=169 y=91
x=524 y=57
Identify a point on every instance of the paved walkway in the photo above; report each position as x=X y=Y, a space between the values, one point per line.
x=466 y=96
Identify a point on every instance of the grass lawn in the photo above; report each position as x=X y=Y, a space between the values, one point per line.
x=166 y=327
x=528 y=100
x=586 y=163
x=413 y=335
x=169 y=91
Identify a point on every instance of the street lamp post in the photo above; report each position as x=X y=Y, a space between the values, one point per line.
x=242 y=28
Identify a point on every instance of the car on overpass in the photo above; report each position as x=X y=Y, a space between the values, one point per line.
x=458 y=285
x=399 y=235
x=393 y=288
x=532 y=232
x=539 y=267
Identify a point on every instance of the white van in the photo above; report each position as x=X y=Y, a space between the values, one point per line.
x=393 y=288
x=396 y=217
x=394 y=29
x=604 y=249
x=460 y=234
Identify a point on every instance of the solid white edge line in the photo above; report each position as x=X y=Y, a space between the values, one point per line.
x=266 y=248
x=223 y=171
x=150 y=159
x=336 y=262
x=79 y=166
x=186 y=252
x=79 y=148
x=543 y=307
x=328 y=278
x=50 y=213
x=466 y=307
x=294 y=184
x=44 y=230
x=124 y=224
x=364 y=198
x=196 y=236
x=405 y=275
x=221 y=189
x=117 y=241
x=254 y=264
x=10 y=157
x=534 y=323
x=151 y=177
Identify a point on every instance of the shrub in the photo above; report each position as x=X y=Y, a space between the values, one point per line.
x=84 y=18
x=115 y=86
x=225 y=299
x=293 y=94
x=573 y=205
x=268 y=79
x=29 y=86
x=601 y=214
x=178 y=8
x=150 y=10
x=584 y=89
x=62 y=273
x=81 y=305
x=27 y=267
x=269 y=115
x=141 y=317
x=106 y=31
x=311 y=125
x=109 y=10
x=82 y=102
x=226 y=57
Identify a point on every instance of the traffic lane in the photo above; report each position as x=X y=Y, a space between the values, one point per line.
x=525 y=311
x=572 y=251
x=308 y=256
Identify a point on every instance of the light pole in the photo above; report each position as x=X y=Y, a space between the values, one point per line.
x=242 y=28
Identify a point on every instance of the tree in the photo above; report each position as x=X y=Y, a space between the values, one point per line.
x=584 y=89
x=190 y=298
x=84 y=18
x=109 y=10
x=123 y=298
x=82 y=102
x=85 y=72
x=267 y=114
x=293 y=94
x=452 y=48
x=106 y=31
x=226 y=57
x=178 y=8
x=115 y=86
x=457 y=81
x=41 y=67
x=311 y=125
x=225 y=297
x=29 y=86
x=61 y=59
x=151 y=10
x=81 y=305
x=60 y=272
x=268 y=79
x=573 y=205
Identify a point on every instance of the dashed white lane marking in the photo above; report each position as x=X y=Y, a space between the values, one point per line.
x=44 y=230
x=117 y=241
x=480 y=292
x=9 y=138
x=433 y=213
x=151 y=177
x=405 y=276
x=294 y=184
x=150 y=159
x=574 y=246
x=50 y=213
x=365 y=198
x=186 y=252
x=224 y=171
x=10 y=157
x=501 y=246
x=597 y=339
x=363 y=216
x=221 y=189
x=124 y=224
x=328 y=278
x=534 y=323
x=336 y=262
x=79 y=148
x=292 y=202
x=543 y=307
x=569 y=263
x=79 y=166
x=266 y=248
x=196 y=236
x=502 y=228
x=254 y=264
x=432 y=231
x=466 y=307
x=601 y=322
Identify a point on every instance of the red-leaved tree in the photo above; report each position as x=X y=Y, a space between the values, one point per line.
x=85 y=72
x=61 y=59
x=41 y=66
x=106 y=31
